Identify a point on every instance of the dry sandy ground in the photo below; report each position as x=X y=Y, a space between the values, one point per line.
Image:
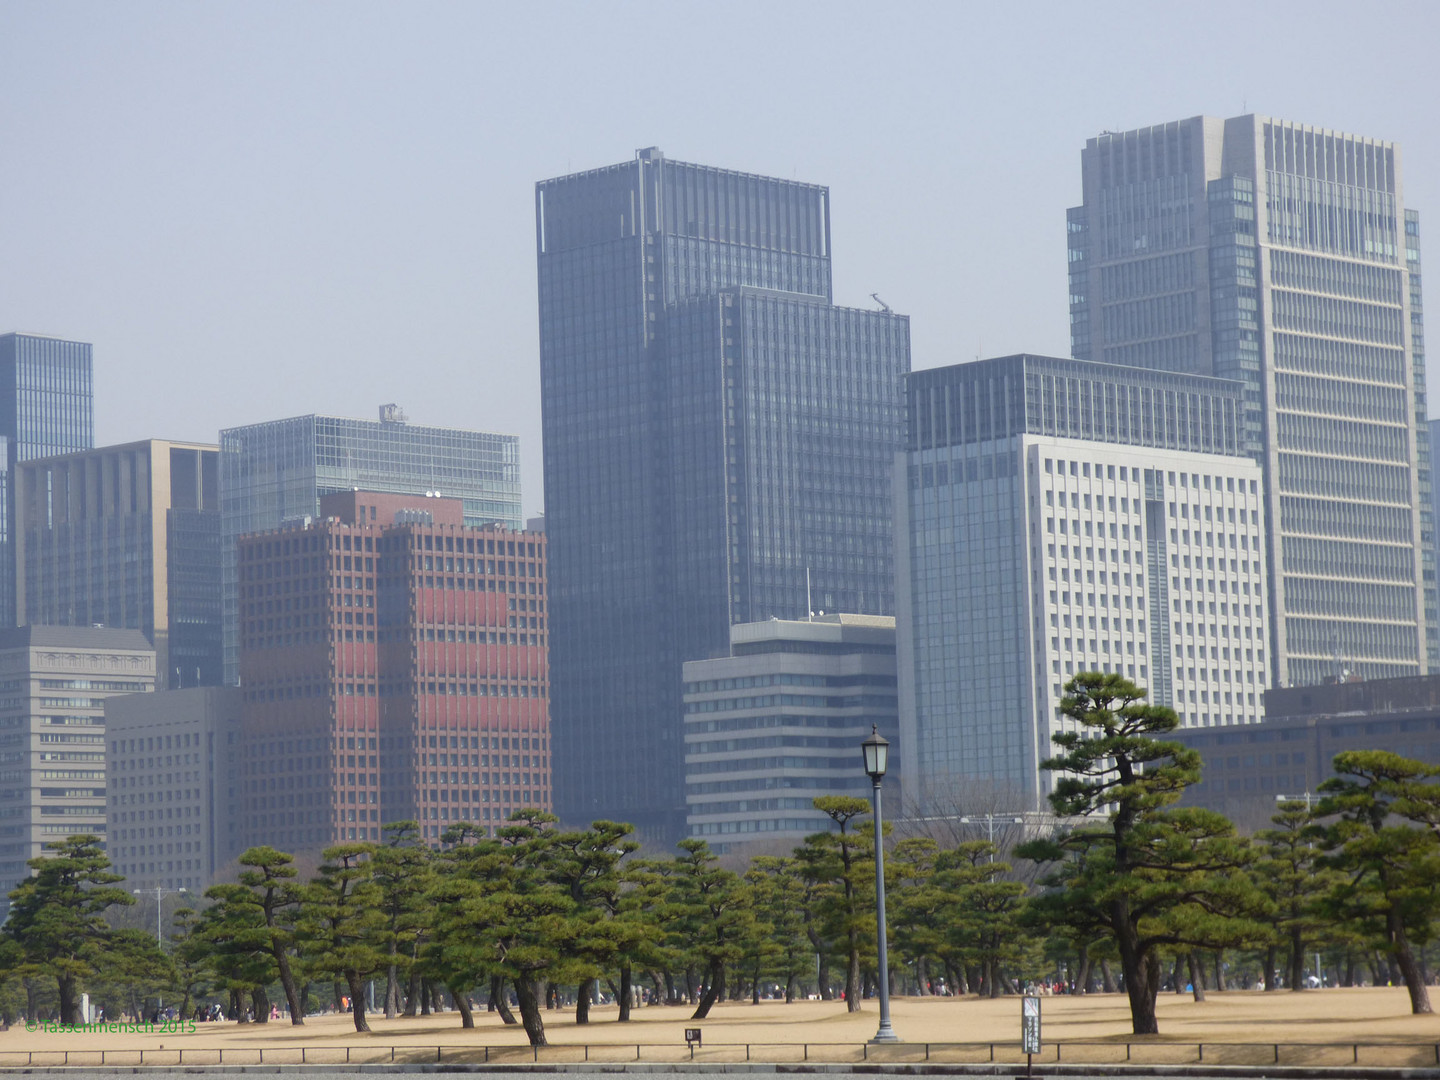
x=1317 y=1016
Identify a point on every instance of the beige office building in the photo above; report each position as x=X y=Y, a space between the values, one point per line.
x=54 y=682
x=172 y=813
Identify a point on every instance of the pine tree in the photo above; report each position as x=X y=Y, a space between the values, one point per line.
x=57 y=915
x=1391 y=890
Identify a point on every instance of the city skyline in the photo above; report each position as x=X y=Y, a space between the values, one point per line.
x=241 y=200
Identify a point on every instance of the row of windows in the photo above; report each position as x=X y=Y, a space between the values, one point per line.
x=1344 y=277
x=787 y=678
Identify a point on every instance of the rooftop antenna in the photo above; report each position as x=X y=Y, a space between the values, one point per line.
x=883 y=306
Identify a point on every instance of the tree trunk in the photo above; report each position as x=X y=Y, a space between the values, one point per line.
x=1405 y=960
x=955 y=978
x=261 y=1002
x=68 y=1005
x=852 y=974
x=392 y=987
x=528 y=994
x=498 y=997
x=713 y=991
x=626 y=995
x=412 y=992
x=357 y=999
x=789 y=989
x=1220 y=970
x=287 y=983
x=974 y=979
x=1107 y=980
x=1082 y=971
x=237 y=1007
x=1176 y=978
x=1297 y=961
x=1139 y=969
x=583 y=995
x=462 y=1002
x=1270 y=973
x=424 y=997
x=1197 y=978
x=822 y=962
x=339 y=992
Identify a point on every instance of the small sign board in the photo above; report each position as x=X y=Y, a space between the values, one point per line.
x=1030 y=1024
x=692 y=1037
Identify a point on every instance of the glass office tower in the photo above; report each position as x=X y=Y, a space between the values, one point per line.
x=276 y=472
x=713 y=427
x=1283 y=256
x=47 y=406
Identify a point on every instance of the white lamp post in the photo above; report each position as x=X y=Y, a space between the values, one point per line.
x=877 y=759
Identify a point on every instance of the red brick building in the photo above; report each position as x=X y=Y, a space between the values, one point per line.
x=393 y=667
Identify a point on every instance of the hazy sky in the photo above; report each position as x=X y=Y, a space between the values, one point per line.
x=255 y=209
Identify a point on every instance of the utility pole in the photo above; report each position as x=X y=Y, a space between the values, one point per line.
x=160 y=893
x=990 y=820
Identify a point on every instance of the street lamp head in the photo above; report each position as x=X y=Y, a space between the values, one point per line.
x=877 y=754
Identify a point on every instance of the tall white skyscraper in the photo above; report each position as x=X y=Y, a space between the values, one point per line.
x=1055 y=517
x=1283 y=256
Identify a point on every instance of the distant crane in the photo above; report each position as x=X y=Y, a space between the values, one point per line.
x=883 y=306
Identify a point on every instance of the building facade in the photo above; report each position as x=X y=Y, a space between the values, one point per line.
x=714 y=428
x=47 y=407
x=173 y=813
x=779 y=722
x=126 y=536
x=56 y=681
x=1284 y=257
x=393 y=667
x=276 y=472
x=1056 y=517
x=1292 y=753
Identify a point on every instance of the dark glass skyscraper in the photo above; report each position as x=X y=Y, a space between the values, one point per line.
x=47 y=407
x=714 y=428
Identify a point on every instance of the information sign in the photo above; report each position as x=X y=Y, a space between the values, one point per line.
x=1030 y=1024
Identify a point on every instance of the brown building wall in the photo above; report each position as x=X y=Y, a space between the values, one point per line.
x=391 y=671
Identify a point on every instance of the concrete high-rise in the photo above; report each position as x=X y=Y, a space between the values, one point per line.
x=47 y=406
x=778 y=722
x=1283 y=256
x=715 y=428
x=55 y=682
x=276 y=472
x=393 y=664
x=1059 y=516
x=126 y=536
x=174 y=816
